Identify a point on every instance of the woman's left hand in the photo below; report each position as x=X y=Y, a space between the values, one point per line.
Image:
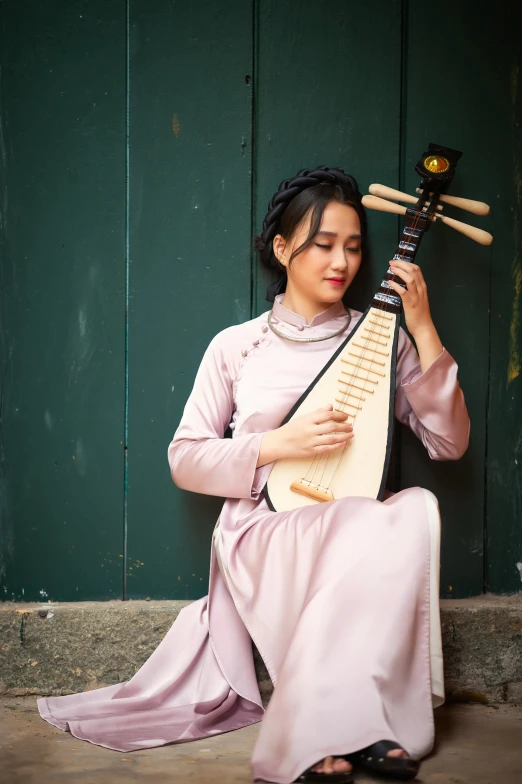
x=414 y=298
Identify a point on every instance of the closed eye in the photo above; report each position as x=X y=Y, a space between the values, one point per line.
x=353 y=250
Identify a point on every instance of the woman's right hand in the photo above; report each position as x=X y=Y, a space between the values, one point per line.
x=323 y=430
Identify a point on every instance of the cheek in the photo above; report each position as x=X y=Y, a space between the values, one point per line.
x=354 y=264
x=310 y=266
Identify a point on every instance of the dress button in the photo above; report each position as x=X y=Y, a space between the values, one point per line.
x=300 y=327
x=232 y=425
x=255 y=343
x=264 y=328
x=244 y=352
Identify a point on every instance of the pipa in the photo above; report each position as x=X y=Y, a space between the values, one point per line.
x=359 y=379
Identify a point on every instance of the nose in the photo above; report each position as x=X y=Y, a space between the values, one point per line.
x=339 y=263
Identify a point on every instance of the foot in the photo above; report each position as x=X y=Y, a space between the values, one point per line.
x=332 y=765
x=340 y=765
x=397 y=753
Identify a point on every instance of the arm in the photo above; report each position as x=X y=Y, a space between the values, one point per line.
x=200 y=459
x=429 y=398
x=431 y=403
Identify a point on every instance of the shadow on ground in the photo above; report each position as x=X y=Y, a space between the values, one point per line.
x=475 y=744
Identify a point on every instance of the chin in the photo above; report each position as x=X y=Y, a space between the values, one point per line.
x=333 y=295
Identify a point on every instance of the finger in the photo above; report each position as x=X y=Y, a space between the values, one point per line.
x=404 y=275
x=332 y=427
x=408 y=268
x=326 y=416
x=331 y=439
x=405 y=265
x=401 y=291
x=322 y=449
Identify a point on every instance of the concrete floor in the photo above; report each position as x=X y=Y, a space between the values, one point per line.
x=476 y=744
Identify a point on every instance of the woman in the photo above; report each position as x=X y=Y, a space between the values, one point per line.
x=341 y=599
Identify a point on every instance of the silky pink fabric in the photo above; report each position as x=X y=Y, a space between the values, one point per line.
x=335 y=596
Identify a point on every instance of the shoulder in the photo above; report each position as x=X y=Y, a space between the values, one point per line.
x=231 y=341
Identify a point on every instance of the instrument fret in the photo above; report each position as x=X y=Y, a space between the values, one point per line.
x=345 y=403
x=350 y=394
x=373 y=340
x=367 y=370
x=354 y=386
x=367 y=359
x=383 y=326
x=375 y=350
x=359 y=378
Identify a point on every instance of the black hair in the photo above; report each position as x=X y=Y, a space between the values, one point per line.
x=310 y=189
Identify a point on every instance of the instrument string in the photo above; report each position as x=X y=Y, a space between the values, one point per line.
x=353 y=376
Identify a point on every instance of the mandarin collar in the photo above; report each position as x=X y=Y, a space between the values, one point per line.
x=284 y=314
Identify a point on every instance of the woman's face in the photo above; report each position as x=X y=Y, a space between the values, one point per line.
x=323 y=272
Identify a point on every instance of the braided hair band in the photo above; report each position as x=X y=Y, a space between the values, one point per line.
x=288 y=189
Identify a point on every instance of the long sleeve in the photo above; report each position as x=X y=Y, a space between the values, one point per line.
x=432 y=403
x=200 y=459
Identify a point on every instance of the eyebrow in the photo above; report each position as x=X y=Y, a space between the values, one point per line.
x=334 y=234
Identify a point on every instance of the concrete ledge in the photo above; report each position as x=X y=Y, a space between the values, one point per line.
x=65 y=648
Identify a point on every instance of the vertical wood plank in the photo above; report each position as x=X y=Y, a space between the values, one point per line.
x=328 y=93
x=62 y=120
x=447 y=102
x=190 y=158
x=504 y=453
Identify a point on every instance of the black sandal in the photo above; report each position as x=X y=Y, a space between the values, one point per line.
x=374 y=758
x=311 y=776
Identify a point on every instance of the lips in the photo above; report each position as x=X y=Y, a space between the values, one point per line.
x=336 y=280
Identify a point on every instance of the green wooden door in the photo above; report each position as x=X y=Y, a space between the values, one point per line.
x=140 y=144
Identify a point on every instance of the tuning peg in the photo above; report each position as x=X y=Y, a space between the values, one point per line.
x=476 y=207
x=480 y=236
x=375 y=203
x=390 y=193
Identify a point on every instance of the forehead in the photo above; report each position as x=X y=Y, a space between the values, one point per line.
x=339 y=215
x=339 y=219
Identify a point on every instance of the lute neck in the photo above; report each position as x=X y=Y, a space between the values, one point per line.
x=415 y=224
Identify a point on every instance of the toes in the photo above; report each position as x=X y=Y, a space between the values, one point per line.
x=332 y=765
x=341 y=765
x=396 y=753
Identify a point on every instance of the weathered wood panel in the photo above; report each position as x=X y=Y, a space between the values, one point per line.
x=190 y=159
x=502 y=78
x=62 y=318
x=328 y=93
x=451 y=103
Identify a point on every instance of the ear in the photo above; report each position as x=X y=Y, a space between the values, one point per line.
x=279 y=245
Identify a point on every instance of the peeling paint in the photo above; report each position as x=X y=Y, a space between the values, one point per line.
x=514 y=364
x=80 y=458
x=513 y=77
x=82 y=322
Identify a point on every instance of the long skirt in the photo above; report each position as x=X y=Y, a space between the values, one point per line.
x=343 y=608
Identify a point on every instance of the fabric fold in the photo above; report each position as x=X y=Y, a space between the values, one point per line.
x=341 y=599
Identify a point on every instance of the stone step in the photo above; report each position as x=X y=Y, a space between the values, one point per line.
x=65 y=648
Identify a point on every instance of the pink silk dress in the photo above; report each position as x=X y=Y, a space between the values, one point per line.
x=341 y=599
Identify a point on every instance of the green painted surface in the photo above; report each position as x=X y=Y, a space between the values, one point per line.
x=190 y=155
x=457 y=271
x=503 y=82
x=62 y=122
x=224 y=102
x=313 y=107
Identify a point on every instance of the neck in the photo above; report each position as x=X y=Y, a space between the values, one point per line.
x=302 y=305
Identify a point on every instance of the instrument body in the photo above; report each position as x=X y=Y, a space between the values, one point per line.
x=359 y=469
x=360 y=377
